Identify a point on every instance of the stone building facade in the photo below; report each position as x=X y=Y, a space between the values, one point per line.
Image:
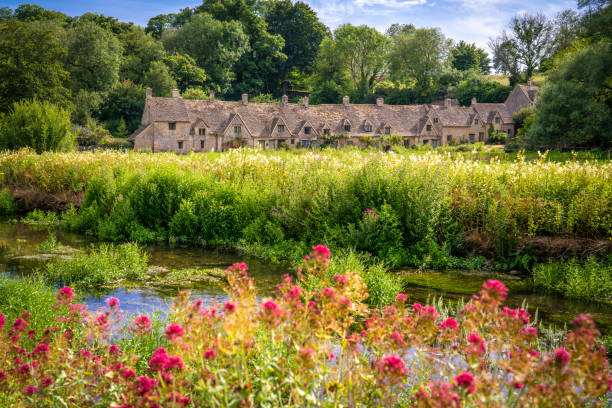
x=183 y=125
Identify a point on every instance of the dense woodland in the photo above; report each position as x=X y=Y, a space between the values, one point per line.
x=91 y=70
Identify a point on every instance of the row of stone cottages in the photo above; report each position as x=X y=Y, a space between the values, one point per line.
x=183 y=125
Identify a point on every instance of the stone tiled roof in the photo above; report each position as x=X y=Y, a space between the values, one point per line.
x=487 y=111
x=453 y=116
x=168 y=109
x=530 y=91
x=139 y=131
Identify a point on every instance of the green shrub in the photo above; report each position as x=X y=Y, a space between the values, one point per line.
x=591 y=279
x=379 y=232
x=103 y=265
x=263 y=231
x=41 y=217
x=8 y=206
x=39 y=125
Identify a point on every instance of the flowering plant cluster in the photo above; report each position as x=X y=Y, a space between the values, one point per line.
x=304 y=347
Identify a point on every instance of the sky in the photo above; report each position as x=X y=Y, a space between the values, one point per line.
x=473 y=21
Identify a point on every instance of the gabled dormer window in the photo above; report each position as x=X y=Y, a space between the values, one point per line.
x=496 y=120
x=475 y=121
x=281 y=128
x=237 y=130
x=347 y=127
x=202 y=131
x=368 y=128
x=387 y=130
x=307 y=130
x=435 y=120
x=428 y=128
x=172 y=126
x=326 y=132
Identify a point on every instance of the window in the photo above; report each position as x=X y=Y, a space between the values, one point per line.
x=387 y=130
x=434 y=143
x=368 y=128
x=480 y=136
x=171 y=125
x=475 y=121
x=307 y=130
x=428 y=128
x=326 y=132
x=237 y=130
x=281 y=128
x=349 y=143
x=435 y=120
x=449 y=138
x=472 y=137
x=180 y=145
x=201 y=144
x=347 y=128
x=202 y=132
x=496 y=120
x=262 y=144
x=304 y=143
x=509 y=132
x=292 y=141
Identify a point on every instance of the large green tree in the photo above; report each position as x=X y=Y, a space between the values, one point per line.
x=139 y=51
x=125 y=101
x=159 y=79
x=32 y=64
x=185 y=72
x=302 y=31
x=465 y=56
x=418 y=57
x=94 y=55
x=216 y=46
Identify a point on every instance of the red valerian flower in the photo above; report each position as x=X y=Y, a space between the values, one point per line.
x=393 y=368
x=562 y=356
x=476 y=346
x=449 y=324
x=128 y=373
x=466 y=380
x=20 y=324
x=30 y=390
x=141 y=325
x=2 y=321
x=340 y=280
x=46 y=382
x=112 y=302
x=144 y=384
x=40 y=349
x=322 y=251
x=328 y=292
x=210 y=354
x=174 y=331
x=65 y=295
x=401 y=298
x=229 y=307
x=114 y=350
x=495 y=290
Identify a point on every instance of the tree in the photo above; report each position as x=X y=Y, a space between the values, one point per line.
x=215 y=46
x=94 y=55
x=302 y=31
x=31 y=64
x=526 y=45
x=396 y=29
x=419 y=57
x=108 y=23
x=185 y=72
x=39 y=125
x=483 y=90
x=32 y=12
x=257 y=71
x=139 y=51
x=194 y=93
x=125 y=100
x=158 y=24
x=361 y=52
x=465 y=56
x=158 y=78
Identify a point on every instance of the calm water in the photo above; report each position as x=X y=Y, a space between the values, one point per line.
x=19 y=255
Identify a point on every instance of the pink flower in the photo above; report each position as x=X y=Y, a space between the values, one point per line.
x=398 y=338
x=128 y=373
x=322 y=251
x=46 y=382
x=174 y=330
x=229 y=307
x=476 y=346
x=174 y=362
x=295 y=293
x=328 y=292
x=429 y=312
x=20 y=324
x=158 y=360
x=30 y=389
x=142 y=325
x=40 y=349
x=466 y=380
x=495 y=290
x=340 y=280
x=144 y=384
x=518 y=385
x=2 y=321
x=562 y=356
x=210 y=354
x=112 y=302
x=401 y=298
x=449 y=324
x=114 y=350
x=529 y=331
x=393 y=367
x=417 y=307
x=65 y=295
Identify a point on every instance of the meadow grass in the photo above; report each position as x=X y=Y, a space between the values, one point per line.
x=589 y=279
x=405 y=208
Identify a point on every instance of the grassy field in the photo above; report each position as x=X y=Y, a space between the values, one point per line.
x=406 y=209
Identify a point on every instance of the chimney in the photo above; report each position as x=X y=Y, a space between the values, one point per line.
x=474 y=101
x=149 y=92
x=305 y=100
x=447 y=102
x=175 y=93
x=212 y=96
x=245 y=99
x=529 y=83
x=380 y=101
x=284 y=100
x=345 y=100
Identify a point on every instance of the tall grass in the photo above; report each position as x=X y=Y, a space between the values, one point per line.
x=591 y=279
x=281 y=203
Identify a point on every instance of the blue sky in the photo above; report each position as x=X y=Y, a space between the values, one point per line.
x=469 y=20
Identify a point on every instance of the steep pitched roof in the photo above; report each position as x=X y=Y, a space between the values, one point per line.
x=139 y=131
x=453 y=116
x=487 y=111
x=168 y=109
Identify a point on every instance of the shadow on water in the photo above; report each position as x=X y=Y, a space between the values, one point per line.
x=19 y=255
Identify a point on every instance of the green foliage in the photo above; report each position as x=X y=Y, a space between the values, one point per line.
x=41 y=217
x=481 y=89
x=32 y=64
x=465 y=57
x=8 y=206
x=185 y=72
x=158 y=78
x=103 y=265
x=378 y=233
x=140 y=50
x=195 y=93
x=264 y=98
x=124 y=101
x=591 y=279
x=38 y=125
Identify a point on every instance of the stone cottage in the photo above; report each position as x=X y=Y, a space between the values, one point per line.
x=183 y=125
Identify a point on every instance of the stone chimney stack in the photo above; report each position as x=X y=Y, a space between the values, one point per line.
x=345 y=100
x=530 y=82
x=447 y=102
x=149 y=93
x=284 y=100
x=305 y=100
x=212 y=96
x=245 y=99
x=175 y=93
x=380 y=101
x=474 y=101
